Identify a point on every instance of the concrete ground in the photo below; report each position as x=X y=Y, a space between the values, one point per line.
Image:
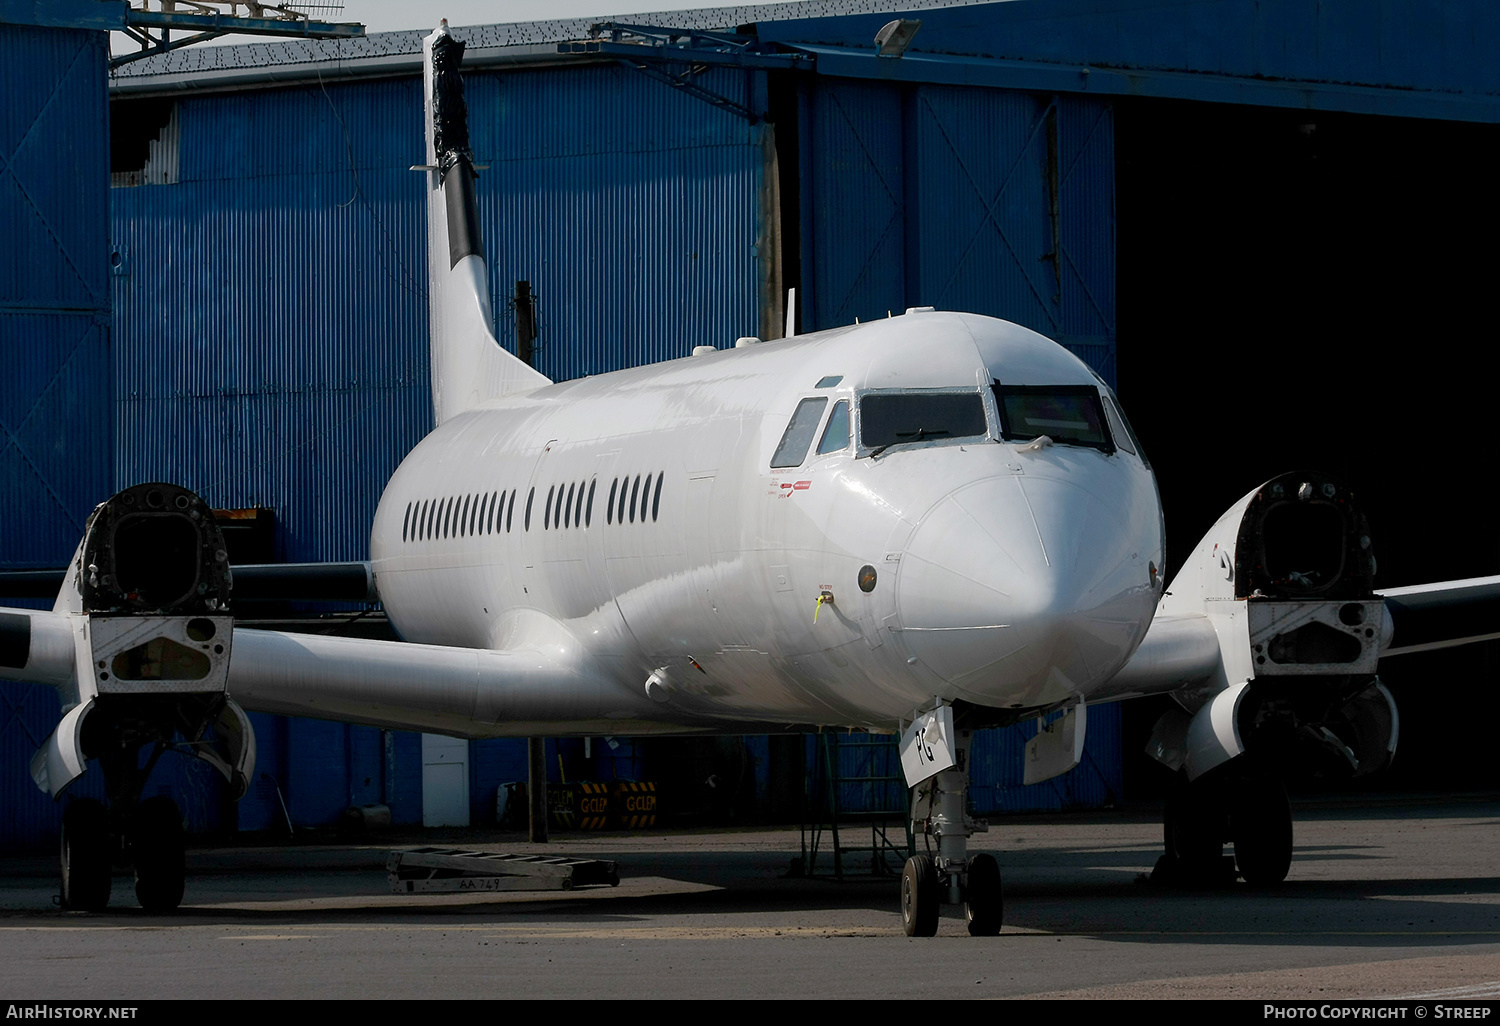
x=1386 y=899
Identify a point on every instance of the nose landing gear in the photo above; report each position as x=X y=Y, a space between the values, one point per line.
x=952 y=876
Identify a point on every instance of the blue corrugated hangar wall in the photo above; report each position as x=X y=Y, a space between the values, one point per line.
x=55 y=402
x=271 y=332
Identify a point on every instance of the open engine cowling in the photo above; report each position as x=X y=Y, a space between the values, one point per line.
x=1286 y=577
x=147 y=601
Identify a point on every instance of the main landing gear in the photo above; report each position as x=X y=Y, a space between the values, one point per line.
x=1239 y=803
x=952 y=876
x=145 y=835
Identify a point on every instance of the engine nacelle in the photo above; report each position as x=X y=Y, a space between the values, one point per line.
x=147 y=600
x=1286 y=577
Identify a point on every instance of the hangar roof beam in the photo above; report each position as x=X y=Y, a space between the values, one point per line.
x=207 y=22
x=678 y=56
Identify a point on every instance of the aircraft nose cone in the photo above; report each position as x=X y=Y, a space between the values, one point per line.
x=1022 y=590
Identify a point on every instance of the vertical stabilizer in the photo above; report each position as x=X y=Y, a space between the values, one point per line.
x=469 y=368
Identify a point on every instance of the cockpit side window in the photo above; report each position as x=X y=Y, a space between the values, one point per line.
x=799 y=433
x=1120 y=428
x=836 y=434
x=1070 y=414
x=890 y=418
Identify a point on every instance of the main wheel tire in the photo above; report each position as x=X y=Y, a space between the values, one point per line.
x=157 y=849
x=1194 y=827
x=920 y=900
x=85 y=856
x=984 y=907
x=1261 y=825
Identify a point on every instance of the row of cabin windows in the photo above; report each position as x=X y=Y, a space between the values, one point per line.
x=570 y=505
x=458 y=516
x=573 y=505
x=629 y=494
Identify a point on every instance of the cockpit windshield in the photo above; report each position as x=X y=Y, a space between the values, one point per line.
x=1071 y=414
x=891 y=418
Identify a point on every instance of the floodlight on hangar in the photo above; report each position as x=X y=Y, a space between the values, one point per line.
x=895 y=36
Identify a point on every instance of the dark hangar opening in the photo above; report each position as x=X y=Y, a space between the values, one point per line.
x=1300 y=289
x=133 y=126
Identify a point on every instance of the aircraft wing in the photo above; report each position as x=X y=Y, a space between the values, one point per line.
x=289 y=582
x=1425 y=617
x=1182 y=650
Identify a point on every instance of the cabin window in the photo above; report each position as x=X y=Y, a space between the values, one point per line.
x=635 y=493
x=422 y=519
x=447 y=517
x=405 y=524
x=547 y=510
x=656 y=499
x=463 y=518
x=510 y=510
x=799 y=433
x=829 y=381
x=624 y=489
x=568 y=507
x=645 y=498
x=526 y=520
x=609 y=507
x=836 y=434
x=578 y=509
x=1070 y=414
x=891 y=418
x=588 y=512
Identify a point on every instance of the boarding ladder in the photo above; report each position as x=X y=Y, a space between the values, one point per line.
x=856 y=784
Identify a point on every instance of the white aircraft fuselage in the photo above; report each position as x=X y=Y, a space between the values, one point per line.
x=632 y=525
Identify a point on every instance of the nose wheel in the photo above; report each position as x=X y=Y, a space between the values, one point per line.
x=983 y=905
x=920 y=897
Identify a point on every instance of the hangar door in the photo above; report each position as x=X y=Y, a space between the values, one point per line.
x=54 y=349
x=983 y=200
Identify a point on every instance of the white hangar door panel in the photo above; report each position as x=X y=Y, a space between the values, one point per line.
x=445 y=781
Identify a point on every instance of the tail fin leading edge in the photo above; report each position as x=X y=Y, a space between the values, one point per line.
x=469 y=367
